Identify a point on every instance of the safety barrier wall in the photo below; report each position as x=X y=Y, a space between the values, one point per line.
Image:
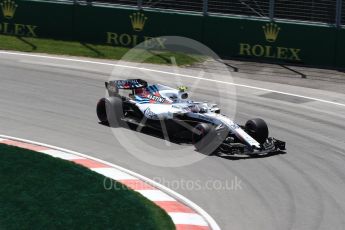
x=340 y=49
x=283 y=42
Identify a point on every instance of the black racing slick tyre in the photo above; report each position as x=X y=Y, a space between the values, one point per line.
x=205 y=138
x=258 y=129
x=110 y=110
x=101 y=111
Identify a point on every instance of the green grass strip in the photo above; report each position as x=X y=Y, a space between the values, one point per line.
x=50 y=46
x=41 y=192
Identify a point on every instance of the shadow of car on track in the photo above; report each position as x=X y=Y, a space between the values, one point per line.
x=185 y=141
x=241 y=157
x=151 y=133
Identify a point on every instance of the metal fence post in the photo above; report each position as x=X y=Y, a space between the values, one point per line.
x=205 y=7
x=140 y=4
x=338 y=16
x=271 y=9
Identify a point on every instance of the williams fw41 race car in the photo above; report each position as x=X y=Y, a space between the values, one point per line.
x=162 y=108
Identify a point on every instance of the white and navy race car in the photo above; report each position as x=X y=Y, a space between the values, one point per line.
x=158 y=106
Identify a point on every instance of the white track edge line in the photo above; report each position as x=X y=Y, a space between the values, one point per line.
x=212 y=223
x=175 y=74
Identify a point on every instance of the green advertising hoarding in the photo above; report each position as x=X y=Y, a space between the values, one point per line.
x=129 y=27
x=340 y=49
x=278 y=41
x=37 y=19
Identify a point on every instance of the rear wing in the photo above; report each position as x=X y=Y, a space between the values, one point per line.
x=130 y=84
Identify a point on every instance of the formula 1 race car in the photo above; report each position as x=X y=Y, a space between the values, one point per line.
x=158 y=106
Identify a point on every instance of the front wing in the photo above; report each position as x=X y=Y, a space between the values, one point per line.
x=270 y=146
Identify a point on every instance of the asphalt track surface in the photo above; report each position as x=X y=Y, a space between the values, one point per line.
x=53 y=101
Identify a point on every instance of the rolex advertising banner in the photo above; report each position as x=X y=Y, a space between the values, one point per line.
x=128 y=27
x=281 y=42
x=36 y=19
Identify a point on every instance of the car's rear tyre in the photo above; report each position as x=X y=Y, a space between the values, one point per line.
x=205 y=138
x=258 y=129
x=101 y=111
x=110 y=110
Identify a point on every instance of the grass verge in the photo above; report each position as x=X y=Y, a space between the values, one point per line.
x=50 y=46
x=41 y=192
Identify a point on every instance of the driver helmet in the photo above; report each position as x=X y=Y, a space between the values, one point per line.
x=139 y=91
